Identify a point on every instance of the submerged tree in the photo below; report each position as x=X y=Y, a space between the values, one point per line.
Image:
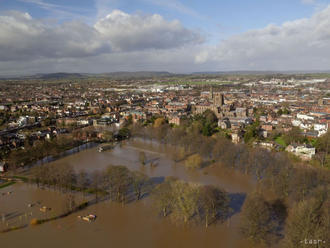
x=194 y=162
x=309 y=221
x=214 y=203
x=118 y=182
x=163 y=196
x=186 y=196
x=256 y=218
x=97 y=183
x=140 y=182
x=82 y=181
x=186 y=201
x=70 y=202
x=142 y=158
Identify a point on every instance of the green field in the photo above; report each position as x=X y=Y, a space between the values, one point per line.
x=280 y=141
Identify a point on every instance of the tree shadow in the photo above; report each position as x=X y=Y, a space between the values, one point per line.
x=153 y=181
x=207 y=163
x=152 y=160
x=12 y=215
x=236 y=201
x=157 y=180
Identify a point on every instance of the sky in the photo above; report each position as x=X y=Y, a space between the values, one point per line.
x=181 y=36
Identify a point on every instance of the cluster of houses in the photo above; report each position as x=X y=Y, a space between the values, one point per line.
x=51 y=108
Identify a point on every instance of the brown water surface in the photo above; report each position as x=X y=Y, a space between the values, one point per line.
x=133 y=225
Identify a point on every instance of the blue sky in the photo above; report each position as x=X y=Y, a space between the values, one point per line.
x=209 y=28
x=217 y=18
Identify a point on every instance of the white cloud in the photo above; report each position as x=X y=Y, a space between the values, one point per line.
x=122 y=41
x=22 y=37
x=302 y=44
x=127 y=32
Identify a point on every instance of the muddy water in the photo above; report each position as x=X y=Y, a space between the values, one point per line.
x=134 y=225
x=128 y=155
x=21 y=202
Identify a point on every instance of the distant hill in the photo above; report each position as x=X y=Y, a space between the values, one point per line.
x=114 y=75
x=125 y=75
x=111 y=75
x=137 y=74
x=58 y=75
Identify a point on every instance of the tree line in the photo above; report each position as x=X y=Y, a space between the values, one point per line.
x=116 y=181
x=40 y=149
x=296 y=189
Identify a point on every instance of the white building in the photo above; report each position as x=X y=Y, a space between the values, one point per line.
x=305 y=117
x=302 y=151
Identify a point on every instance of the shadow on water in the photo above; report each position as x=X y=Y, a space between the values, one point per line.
x=207 y=163
x=236 y=201
x=157 y=180
x=153 y=161
x=153 y=182
x=12 y=215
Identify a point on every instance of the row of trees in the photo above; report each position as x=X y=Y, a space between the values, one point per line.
x=116 y=182
x=41 y=149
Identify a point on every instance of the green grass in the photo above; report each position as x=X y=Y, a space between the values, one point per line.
x=281 y=141
x=24 y=179
x=6 y=184
x=193 y=83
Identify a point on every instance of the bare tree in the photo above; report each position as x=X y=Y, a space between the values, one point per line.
x=214 y=203
x=140 y=182
x=142 y=158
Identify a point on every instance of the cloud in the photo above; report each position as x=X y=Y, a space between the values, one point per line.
x=127 y=32
x=300 y=44
x=132 y=42
x=104 y=7
x=174 y=60
x=23 y=37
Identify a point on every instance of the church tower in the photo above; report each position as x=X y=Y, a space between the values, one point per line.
x=219 y=99
x=211 y=93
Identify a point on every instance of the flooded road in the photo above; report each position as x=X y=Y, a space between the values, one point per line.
x=133 y=225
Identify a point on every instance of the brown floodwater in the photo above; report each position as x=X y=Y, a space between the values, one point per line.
x=133 y=225
x=128 y=155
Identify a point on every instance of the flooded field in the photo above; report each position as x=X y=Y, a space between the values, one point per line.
x=128 y=155
x=133 y=225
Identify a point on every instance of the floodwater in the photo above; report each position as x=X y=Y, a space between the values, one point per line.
x=133 y=225
x=128 y=155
